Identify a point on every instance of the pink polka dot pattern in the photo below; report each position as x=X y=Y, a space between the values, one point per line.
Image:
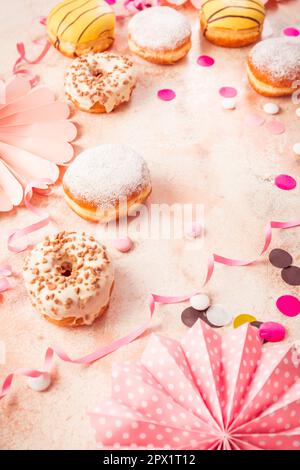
x=206 y=392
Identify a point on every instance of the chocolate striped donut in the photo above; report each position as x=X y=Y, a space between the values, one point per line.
x=76 y=27
x=232 y=23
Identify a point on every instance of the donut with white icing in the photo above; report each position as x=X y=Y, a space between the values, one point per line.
x=159 y=34
x=69 y=278
x=273 y=66
x=104 y=182
x=99 y=83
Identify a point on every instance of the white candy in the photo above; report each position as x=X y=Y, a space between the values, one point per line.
x=271 y=108
x=297 y=112
x=41 y=383
x=200 y=302
x=296 y=148
x=218 y=316
x=228 y=103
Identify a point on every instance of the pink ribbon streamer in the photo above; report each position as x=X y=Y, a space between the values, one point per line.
x=41 y=184
x=18 y=68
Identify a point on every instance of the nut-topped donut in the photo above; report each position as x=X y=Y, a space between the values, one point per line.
x=273 y=66
x=98 y=83
x=159 y=34
x=69 y=278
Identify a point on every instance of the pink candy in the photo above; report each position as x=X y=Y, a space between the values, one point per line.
x=205 y=61
x=254 y=119
x=166 y=94
x=228 y=92
x=290 y=31
x=288 y=305
x=275 y=127
x=123 y=244
x=285 y=182
x=272 y=331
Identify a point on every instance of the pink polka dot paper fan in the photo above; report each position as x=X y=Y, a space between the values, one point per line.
x=206 y=392
x=35 y=137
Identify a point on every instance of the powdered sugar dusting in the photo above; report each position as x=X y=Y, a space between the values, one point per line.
x=279 y=57
x=102 y=175
x=159 y=28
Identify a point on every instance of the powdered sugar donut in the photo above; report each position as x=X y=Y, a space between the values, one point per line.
x=69 y=278
x=98 y=83
x=105 y=181
x=159 y=34
x=273 y=66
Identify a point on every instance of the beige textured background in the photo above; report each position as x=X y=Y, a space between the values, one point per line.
x=197 y=152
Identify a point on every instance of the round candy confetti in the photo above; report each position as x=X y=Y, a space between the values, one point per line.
x=228 y=92
x=194 y=230
x=228 y=103
x=200 y=301
x=291 y=275
x=41 y=383
x=280 y=258
x=275 y=127
x=242 y=319
x=290 y=31
x=205 y=61
x=254 y=119
x=123 y=244
x=296 y=148
x=166 y=94
x=218 y=316
x=297 y=112
x=288 y=305
x=271 y=108
x=272 y=331
x=189 y=316
x=285 y=182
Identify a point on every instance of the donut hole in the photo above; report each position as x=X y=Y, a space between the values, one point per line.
x=66 y=268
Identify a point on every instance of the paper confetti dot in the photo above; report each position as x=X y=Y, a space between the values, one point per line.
x=200 y=301
x=218 y=316
x=229 y=103
x=280 y=258
x=194 y=229
x=275 y=127
x=205 y=61
x=271 y=108
x=296 y=148
x=41 y=383
x=242 y=319
x=166 y=94
x=291 y=275
x=272 y=331
x=123 y=244
x=285 y=182
x=288 y=305
x=291 y=31
x=227 y=92
x=189 y=316
x=254 y=119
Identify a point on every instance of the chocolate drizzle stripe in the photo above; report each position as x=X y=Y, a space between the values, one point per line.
x=78 y=17
x=94 y=20
x=226 y=8
x=69 y=13
x=53 y=13
x=242 y=1
x=235 y=16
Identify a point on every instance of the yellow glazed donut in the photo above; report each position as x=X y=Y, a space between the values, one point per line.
x=76 y=27
x=232 y=23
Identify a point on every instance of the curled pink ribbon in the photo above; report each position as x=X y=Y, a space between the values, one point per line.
x=18 y=68
x=42 y=187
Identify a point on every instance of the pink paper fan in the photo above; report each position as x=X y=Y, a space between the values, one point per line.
x=206 y=392
x=35 y=137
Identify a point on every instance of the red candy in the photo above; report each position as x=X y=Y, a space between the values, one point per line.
x=166 y=94
x=285 y=182
x=288 y=305
x=272 y=331
x=205 y=61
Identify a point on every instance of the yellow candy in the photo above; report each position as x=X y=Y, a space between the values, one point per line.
x=76 y=27
x=242 y=319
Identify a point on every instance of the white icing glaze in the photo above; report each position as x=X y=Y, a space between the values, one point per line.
x=279 y=57
x=104 y=78
x=159 y=28
x=104 y=175
x=80 y=295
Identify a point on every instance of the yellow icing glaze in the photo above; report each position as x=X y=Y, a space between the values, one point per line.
x=233 y=14
x=81 y=21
